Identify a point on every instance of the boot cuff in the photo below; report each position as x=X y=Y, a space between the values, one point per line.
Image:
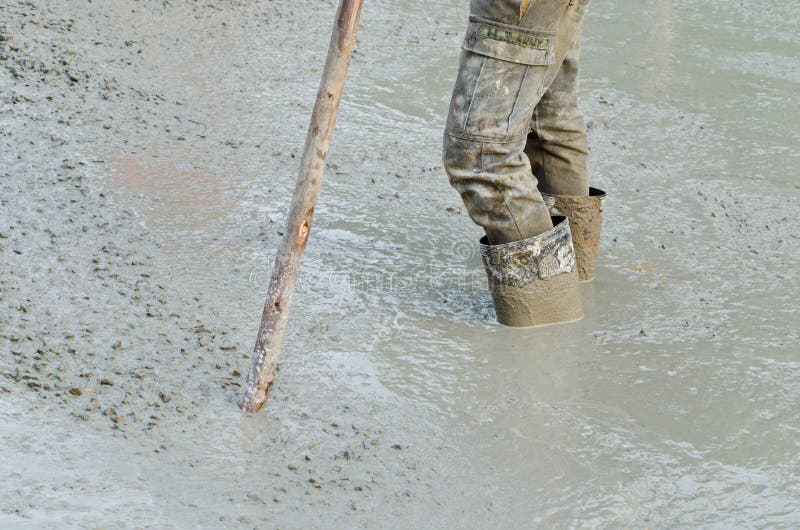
x=596 y=198
x=523 y=262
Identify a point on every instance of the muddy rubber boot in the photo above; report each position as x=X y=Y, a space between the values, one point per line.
x=585 y=216
x=534 y=281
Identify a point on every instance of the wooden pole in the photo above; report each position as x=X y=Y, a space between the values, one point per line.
x=298 y=226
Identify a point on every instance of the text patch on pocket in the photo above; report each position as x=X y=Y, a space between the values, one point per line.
x=510 y=43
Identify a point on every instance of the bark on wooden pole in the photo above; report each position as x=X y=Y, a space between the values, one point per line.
x=298 y=226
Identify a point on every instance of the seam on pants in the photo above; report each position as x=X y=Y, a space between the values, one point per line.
x=472 y=96
x=516 y=98
x=541 y=143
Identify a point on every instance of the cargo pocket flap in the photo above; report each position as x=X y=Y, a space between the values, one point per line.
x=509 y=43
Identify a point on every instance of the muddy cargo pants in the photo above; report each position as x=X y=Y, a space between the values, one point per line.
x=514 y=128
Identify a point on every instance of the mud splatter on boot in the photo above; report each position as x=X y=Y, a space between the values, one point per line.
x=585 y=216
x=534 y=281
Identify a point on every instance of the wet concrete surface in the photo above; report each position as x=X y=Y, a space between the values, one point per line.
x=147 y=156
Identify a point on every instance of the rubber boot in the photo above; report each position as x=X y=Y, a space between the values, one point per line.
x=585 y=216
x=534 y=281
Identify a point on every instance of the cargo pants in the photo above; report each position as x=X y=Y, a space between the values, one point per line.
x=514 y=128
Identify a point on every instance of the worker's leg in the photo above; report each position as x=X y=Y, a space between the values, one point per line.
x=484 y=144
x=508 y=57
x=507 y=63
x=557 y=146
x=558 y=151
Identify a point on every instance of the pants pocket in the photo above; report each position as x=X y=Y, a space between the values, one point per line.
x=500 y=80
